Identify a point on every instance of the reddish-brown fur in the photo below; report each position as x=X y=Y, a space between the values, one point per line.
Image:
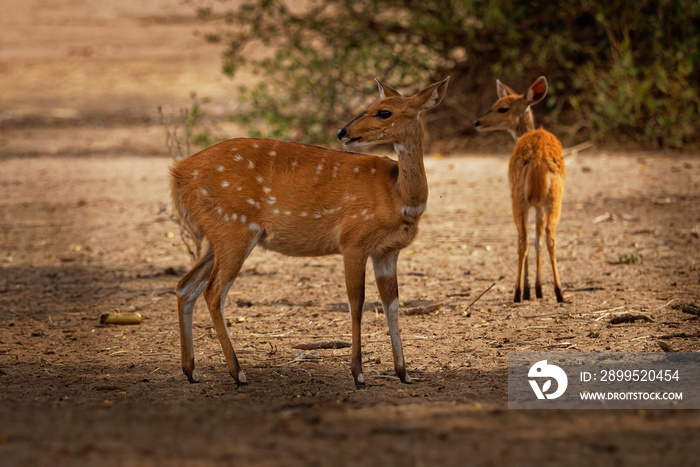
x=536 y=173
x=302 y=200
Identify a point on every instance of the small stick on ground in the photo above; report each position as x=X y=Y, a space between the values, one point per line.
x=664 y=306
x=689 y=308
x=629 y=318
x=607 y=311
x=481 y=295
x=332 y=344
x=422 y=310
x=681 y=335
x=558 y=313
x=586 y=289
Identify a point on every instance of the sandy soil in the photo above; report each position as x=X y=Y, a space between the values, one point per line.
x=84 y=230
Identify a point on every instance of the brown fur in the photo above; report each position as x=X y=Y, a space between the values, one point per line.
x=536 y=173
x=302 y=200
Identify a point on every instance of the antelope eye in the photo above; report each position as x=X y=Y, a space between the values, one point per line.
x=502 y=110
x=383 y=114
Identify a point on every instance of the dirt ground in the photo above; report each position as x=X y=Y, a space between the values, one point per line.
x=84 y=230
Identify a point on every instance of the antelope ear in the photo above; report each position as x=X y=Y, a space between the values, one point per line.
x=431 y=96
x=502 y=90
x=386 y=91
x=537 y=91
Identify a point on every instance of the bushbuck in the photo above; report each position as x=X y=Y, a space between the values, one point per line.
x=536 y=173
x=302 y=200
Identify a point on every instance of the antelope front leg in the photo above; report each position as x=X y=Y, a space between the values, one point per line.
x=385 y=273
x=355 y=283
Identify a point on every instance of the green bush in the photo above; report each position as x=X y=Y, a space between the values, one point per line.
x=624 y=71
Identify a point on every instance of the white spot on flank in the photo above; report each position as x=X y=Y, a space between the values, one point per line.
x=251 y=201
x=220 y=168
x=272 y=153
x=224 y=184
x=331 y=211
x=259 y=179
x=204 y=191
x=250 y=164
x=319 y=167
x=242 y=219
x=287 y=213
x=267 y=189
x=226 y=218
x=302 y=214
x=254 y=227
x=272 y=200
x=275 y=211
x=237 y=158
x=218 y=211
x=194 y=174
x=356 y=169
x=294 y=164
x=234 y=216
x=239 y=188
x=317 y=216
x=373 y=171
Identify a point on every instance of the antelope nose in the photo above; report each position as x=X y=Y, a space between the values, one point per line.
x=477 y=123
x=341 y=133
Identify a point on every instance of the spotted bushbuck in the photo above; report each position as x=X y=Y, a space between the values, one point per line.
x=302 y=200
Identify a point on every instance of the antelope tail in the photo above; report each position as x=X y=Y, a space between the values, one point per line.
x=176 y=193
x=537 y=183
